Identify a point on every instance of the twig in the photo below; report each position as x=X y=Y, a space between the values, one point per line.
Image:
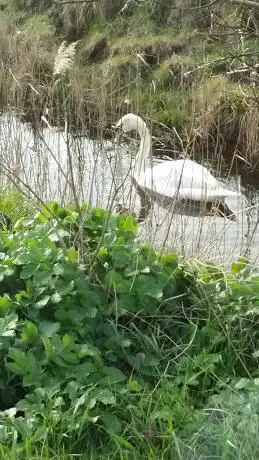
x=73 y=1
x=73 y=187
x=249 y=3
x=15 y=79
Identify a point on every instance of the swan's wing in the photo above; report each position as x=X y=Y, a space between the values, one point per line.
x=182 y=179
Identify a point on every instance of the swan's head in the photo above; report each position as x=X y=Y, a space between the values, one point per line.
x=131 y=122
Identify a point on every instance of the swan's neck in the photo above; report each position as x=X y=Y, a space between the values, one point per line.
x=144 y=149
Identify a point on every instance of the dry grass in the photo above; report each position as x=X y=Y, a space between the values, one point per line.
x=226 y=115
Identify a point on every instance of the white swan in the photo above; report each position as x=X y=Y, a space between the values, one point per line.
x=172 y=179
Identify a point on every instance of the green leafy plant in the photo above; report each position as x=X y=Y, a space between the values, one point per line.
x=101 y=347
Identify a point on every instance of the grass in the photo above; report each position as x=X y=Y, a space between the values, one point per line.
x=161 y=44
x=108 y=349
x=15 y=204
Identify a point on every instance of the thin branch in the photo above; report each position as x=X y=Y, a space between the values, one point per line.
x=66 y=2
x=221 y=59
x=249 y=3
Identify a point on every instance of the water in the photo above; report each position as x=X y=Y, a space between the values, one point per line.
x=101 y=175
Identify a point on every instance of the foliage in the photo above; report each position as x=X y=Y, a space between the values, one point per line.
x=15 y=204
x=116 y=345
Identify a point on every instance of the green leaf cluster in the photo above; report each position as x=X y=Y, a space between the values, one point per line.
x=100 y=336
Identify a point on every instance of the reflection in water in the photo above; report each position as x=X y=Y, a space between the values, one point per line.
x=101 y=176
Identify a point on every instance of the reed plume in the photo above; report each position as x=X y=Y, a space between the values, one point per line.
x=65 y=58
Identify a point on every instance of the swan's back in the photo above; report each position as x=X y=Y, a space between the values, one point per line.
x=183 y=179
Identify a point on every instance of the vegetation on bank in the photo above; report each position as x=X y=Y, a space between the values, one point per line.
x=109 y=350
x=183 y=64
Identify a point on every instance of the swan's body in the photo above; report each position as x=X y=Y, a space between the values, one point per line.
x=183 y=180
x=173 y=179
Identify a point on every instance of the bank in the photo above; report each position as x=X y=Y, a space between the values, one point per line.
x=190 y=71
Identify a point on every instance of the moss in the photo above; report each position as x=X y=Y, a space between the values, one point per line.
x=162 y=45
x=93 y=48
x=171 y=72
x=167 y=107
x=119 y=70
x=97 y=27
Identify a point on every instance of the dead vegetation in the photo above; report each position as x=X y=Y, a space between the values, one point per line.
x=200 y=80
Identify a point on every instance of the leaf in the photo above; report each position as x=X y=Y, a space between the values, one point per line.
x=242 y=384
x=170 y=259
x=20 y=364
x=42 y=277
x=30 y=333
x=40 y=434
x=58 y=235
x=43 y=302
x=105 y=397
x=11 y=412
x=28 y=271
x=49 y=348
x=72 y=255
x=134 y=386
x=112 y=423
x=128 y=302
x=72 y=389
x=113 y=375
x=70 y=357
x=121 y=255
x=91 y=312
x=127 y=224
x=123 y=442
x=56 y=297
x=58 y=269
x=49 y=328
x=4 y=304
x=79 y=402
x=114 y=280
x=103 y=252
x=147 y=285
x=145 y=270
x=237 y=267
x=8 y=325
x=87 y=350
x=24 y=427
x=84 y=370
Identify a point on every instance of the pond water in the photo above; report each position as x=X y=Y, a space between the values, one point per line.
x=41 y=162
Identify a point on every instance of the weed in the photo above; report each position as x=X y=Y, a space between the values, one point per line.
x=127 y=350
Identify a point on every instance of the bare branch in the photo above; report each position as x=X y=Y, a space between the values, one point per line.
x=249 y=3
x=66 y=2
